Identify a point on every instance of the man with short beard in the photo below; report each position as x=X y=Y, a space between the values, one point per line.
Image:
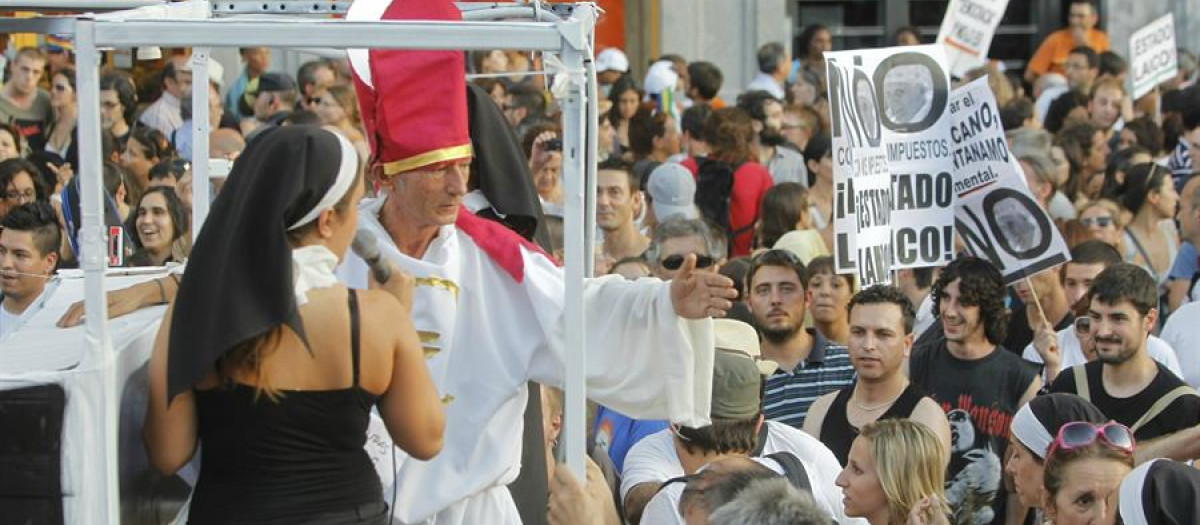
x=1124 y=382
x=810 y=365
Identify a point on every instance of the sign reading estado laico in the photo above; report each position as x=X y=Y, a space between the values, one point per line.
x=1153 y=56
x=996 y=215
x=967 y=31
x=893 y=188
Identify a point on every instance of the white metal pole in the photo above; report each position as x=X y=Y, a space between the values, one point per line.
x=592 y=124
x=93 y=248
x=200 y=131
x=574 y=402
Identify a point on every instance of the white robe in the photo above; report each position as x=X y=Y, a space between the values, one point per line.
x=486 y=335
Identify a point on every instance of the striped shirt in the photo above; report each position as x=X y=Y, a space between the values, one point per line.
x=1180 y=164
x=790 y=393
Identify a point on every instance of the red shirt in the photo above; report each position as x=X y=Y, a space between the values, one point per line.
x=750 y=182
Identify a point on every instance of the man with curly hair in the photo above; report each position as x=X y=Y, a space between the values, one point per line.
x=971 y=376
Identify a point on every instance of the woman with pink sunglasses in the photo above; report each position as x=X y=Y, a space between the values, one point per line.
x=1084 y=468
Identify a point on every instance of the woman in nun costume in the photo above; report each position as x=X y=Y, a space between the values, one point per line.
x=1032 y=432
x=1161 y=492
x=262 y=361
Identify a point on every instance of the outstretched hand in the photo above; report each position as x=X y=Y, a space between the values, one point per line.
x=698 y=294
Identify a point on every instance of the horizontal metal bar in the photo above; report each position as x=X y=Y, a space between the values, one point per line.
x=74 y=6
x=44 y=25
x=303 y=7
x=339 y=34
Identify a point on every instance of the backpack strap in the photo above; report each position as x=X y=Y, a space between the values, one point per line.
x=1160 y=405
x=793 y=469
x=1081 y=383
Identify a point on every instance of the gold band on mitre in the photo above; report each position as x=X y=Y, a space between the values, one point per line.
x=429 y=157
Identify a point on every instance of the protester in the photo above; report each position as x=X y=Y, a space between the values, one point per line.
x=677 y=238
x=1151 y=240
x=1083 y=472
x=670 y=192
x=978 y=383
x=626 y=96
x=1160 y=492
x=337 y=106
x=1031 y=433
x=881 y=321
x=11 y=143
x=784 y=209
x=774 y=63
x=164 y=114
x=1124 y=382
x=1080 y=31
x=809 y=365
x=146 y=148
x=770 y=501
x=729 y=184
x=22 y=103
x=20 y=185
x=617 y=198
x=1186 y=265
x=895 y=475
x=118 y=103
x=60 y=133
x=829 y=296
x=239 y=98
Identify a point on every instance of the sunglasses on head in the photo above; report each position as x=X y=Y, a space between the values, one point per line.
x=1083 y=325
x=1079 y=434
x=1102 y=221
x=675 y=262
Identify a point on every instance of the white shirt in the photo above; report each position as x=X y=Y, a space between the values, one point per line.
x=164 y=114
x=1182 y=334
x=654 y=460
x=486 y=335
x=1072 y=353
x=11 y=322
x=765 y=82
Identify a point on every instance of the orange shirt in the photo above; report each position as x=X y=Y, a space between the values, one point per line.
x=1052 y=54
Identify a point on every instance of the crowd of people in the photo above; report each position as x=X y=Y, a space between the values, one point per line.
x=948 y=397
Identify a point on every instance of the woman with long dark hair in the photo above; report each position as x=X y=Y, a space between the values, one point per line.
x=155 y=226
x=626 y=97
x=263 y=361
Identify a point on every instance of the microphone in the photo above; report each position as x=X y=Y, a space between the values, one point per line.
x=365 y=246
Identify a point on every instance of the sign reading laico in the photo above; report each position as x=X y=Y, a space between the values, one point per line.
x=996 y=215
x=891 y=147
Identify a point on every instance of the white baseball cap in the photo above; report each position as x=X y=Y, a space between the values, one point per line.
x=612 y=59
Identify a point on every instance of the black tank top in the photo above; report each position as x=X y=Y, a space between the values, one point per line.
x=838 y=434
x=268 y=462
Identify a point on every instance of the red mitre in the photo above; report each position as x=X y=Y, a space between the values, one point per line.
x=413 y=103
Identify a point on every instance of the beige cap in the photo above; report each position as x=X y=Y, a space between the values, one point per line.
x=737 y=336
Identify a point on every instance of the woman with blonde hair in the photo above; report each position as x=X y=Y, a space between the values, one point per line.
x=337 y=107
x=896 y=474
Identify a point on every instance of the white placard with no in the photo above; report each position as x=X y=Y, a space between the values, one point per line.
x=967 y=31
x=890 y=141
x=1153 y=57
x=997 y=216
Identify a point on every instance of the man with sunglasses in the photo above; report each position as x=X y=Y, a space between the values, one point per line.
x=1072 y=344
x=810 y=365
x=676 y=238
x=1124 y=382
x=980 y=386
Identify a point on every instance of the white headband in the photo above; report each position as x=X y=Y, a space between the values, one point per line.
x=1031 y=432
x=1134 y=512
x=345 y=177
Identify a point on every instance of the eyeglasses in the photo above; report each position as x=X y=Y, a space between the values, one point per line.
x=312 y=101
x=1102 y=221
x=23 y=197
x=1083 y=326
x=675 y=262
x=1081 y=434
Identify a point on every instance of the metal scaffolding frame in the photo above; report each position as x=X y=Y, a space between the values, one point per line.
x=565 y=30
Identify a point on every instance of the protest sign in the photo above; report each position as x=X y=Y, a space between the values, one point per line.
x=996 y=214
x=967 y=31
x=1153 y=56
x=891 y=149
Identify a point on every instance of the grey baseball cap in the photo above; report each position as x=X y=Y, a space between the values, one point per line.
x=672 y=190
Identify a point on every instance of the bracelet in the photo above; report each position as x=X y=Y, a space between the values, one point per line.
x=162 y=292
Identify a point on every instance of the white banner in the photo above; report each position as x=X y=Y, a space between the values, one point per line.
x=967 y=31
x=1153 y=56
x=891 y=149
x=998 y=218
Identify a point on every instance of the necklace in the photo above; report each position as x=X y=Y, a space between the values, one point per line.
x=885 y=404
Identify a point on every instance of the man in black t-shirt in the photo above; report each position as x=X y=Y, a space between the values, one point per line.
x=1124 y=382
x=978 y=384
